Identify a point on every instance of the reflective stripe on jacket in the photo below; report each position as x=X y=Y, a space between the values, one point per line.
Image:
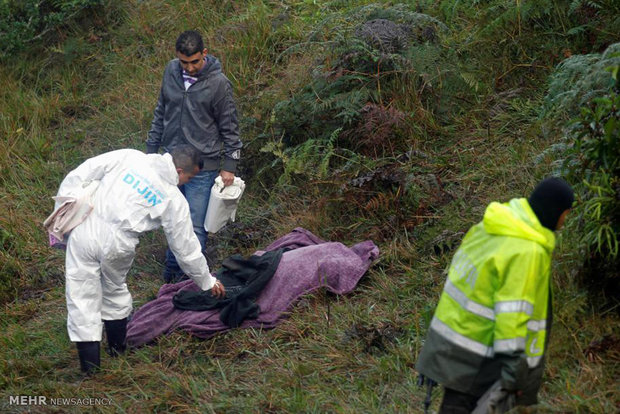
x=495 y=300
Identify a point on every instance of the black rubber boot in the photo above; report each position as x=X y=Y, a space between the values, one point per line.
x=90 y=359
x=116 y=331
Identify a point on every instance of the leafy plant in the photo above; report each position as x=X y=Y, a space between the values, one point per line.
x=377 y=126
x=26 y=21
x=598 y=130
x=311 y=158
x=600 y=212
x=579 y=79
x=522 y=40
x=594 y=162
x=375 y=55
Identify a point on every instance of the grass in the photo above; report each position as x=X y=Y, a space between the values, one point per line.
x=343 y=354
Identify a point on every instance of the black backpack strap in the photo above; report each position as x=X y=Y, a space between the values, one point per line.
x=422 y=379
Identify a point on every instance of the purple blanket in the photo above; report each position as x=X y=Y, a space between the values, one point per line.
x=313 y=263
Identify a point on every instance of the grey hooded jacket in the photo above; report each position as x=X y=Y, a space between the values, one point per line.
x=204 y=116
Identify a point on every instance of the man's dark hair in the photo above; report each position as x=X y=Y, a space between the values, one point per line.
x=186 y=157
x=189 y=42
x=550 y=199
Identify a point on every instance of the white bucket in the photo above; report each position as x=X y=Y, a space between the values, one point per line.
x=223 y=203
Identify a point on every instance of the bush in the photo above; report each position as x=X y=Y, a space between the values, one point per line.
x=26 y=21
x=593 y=162
x=373 y=57
x=579 y=79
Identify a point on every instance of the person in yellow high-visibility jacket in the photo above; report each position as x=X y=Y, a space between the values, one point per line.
x=493 y=319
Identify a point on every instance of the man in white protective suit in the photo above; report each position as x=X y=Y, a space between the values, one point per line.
x=137 y=193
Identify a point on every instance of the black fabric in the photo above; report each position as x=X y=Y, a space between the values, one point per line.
x=456 y=402
x=514 y=370
x=430 y=384
x=550 y=199
x=89 y=354
x=244 y=280
x=116 y=332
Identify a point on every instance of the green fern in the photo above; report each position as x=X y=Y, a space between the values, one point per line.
x=593 y=163
x=579 y=79
x=353 y=73
x=517 y=16
x=601 y=6
x=328 y=152
x=311 y=158
x=471 y=80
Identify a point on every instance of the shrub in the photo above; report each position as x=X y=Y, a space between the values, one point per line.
x=579 y=79
x=593 y=162
x=26 y=21
x=372 y=57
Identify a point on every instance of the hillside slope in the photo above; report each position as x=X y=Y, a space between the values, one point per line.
x=395 y=123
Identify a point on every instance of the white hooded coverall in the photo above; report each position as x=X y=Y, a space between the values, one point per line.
x=137 y=193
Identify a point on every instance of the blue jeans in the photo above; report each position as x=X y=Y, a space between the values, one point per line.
x=197 y=192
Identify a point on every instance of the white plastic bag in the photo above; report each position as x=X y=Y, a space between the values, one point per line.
x=223 y=203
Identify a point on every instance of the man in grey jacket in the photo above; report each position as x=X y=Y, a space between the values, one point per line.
x=196 y=107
